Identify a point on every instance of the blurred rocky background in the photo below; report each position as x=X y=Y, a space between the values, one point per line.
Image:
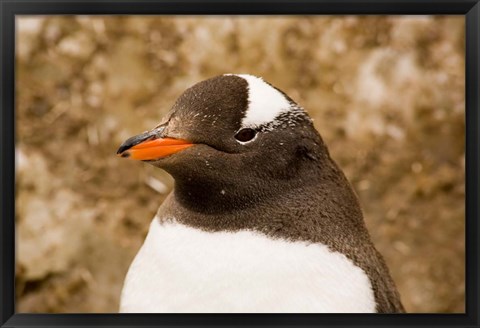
x=386 y=93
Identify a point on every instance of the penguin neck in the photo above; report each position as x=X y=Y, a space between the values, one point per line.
x=221 y=197
x=286 y=208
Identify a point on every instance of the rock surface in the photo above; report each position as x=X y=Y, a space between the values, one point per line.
x=386 y=93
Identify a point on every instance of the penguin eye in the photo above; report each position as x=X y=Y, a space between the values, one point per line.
x=245 y=135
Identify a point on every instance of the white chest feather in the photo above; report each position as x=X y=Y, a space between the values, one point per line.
x=181 y=269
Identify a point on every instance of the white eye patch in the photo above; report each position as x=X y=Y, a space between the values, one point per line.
x=265 y=103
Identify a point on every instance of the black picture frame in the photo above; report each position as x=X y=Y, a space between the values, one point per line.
x=10 y=8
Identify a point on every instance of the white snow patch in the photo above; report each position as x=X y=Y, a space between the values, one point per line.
x=156 y=185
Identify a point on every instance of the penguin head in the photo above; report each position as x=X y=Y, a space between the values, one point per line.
x=227 y=127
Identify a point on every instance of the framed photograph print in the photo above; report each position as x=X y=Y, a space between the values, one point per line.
x=239 y=163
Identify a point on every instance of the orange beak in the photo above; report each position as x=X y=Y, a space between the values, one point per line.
x=145 y=147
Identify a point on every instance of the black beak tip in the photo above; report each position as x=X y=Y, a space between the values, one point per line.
x=135 y=140
x=123 y=147
x=130 y=142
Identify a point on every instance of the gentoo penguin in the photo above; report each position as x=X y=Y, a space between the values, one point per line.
x=260 y=219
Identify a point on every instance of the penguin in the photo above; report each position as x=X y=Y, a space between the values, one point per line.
x=260 y=219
